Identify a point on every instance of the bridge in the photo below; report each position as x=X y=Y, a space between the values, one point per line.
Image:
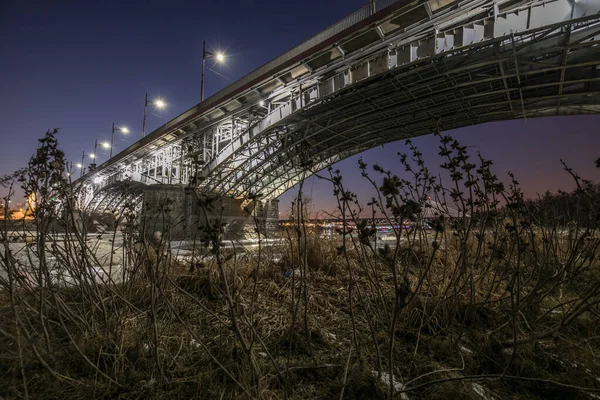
x=394 y=69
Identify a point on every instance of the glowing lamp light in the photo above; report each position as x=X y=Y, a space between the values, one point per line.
x=218 y=57
x=79 y=165
x=124 y=129
x=92 y=156
x=106 y=145
x=160 y=103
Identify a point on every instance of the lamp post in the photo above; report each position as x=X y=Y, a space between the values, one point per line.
x=112 y=137
x=220 y=57
x=159 y=103
x=94 y=155
x=80 y=165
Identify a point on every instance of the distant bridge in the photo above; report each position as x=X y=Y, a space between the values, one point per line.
x=384 y=73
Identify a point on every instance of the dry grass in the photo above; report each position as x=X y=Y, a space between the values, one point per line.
x=491 y=304
x=435 y=332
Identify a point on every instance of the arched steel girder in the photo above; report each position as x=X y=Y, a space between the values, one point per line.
x=114 y=195
x=294 y=176
x=284 y=173
x=507 y=92
x=288 y=175
x=126 y=196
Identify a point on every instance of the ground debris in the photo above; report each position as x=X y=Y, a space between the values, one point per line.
x=384 y=378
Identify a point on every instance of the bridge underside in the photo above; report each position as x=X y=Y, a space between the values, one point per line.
x=552 y=71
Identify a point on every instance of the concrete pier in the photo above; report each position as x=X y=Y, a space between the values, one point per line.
x=184 y=215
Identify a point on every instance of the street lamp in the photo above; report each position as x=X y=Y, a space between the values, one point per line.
x=159 y=103
x=220 y=57
x=94 y=155
x=112 y=137
x=80 y=165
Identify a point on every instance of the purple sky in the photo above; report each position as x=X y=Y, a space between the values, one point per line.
x=81 y=65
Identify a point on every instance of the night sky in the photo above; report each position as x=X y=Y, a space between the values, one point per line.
x=80 y=65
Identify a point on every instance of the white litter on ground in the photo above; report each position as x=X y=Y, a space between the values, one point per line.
x=481 y=391
x=385 y=380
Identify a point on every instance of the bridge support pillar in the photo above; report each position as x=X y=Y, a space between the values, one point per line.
x=263 y=217
x=272 y=215
x=181 y=214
